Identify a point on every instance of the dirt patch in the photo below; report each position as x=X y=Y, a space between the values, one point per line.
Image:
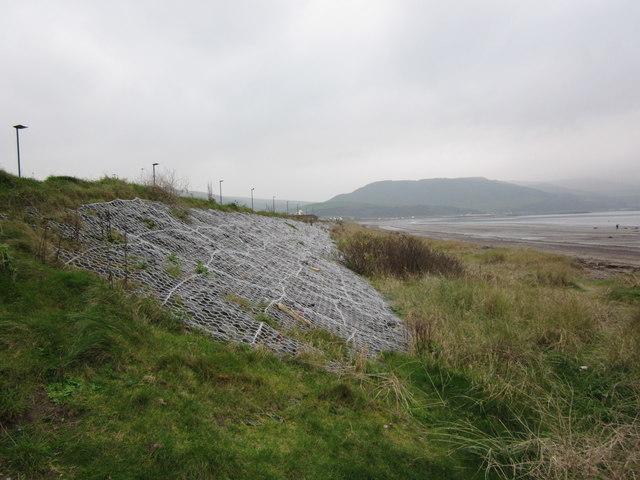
x=42 y=410
x=601 y=269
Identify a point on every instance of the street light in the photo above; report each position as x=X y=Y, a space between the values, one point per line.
x=274 y=204
x=252 y=189
x=221 y=191
x=18 y=128
x=154 y=173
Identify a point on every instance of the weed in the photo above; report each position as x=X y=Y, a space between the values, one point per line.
x=141 y=265
x=114 y=237
x=59 y=391
x=242 y=302
x=422 y=334
x=201 y=268
x=181 y=213
x=173 y=271
x=151 y=225
x=265 y=318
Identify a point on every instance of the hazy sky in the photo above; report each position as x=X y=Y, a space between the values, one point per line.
x=307 y=99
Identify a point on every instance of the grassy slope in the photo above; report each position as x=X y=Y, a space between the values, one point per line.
x=96 y=384
x=528 y=338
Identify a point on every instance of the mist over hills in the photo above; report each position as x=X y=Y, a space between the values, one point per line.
x=473 y=195
x=588 y=186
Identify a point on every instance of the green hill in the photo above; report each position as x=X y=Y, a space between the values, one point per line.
x=443 y=196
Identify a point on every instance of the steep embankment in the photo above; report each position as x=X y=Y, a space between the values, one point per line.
x=240 y=277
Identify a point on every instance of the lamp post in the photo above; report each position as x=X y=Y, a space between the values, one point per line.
x=274 y=204
x=154 y=173
x=252 y=189
x=18 y=128
x=221 y=191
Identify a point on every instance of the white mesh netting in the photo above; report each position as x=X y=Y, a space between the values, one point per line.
x=241 y=277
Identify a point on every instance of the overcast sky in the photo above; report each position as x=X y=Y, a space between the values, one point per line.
x=308 y=99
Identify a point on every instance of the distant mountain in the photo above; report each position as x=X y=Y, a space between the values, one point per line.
x=453 y=196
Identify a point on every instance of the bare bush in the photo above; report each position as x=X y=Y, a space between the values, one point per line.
x=396 y=255
x=167 y=186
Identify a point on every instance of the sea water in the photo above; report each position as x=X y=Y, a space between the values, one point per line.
x=628 y=219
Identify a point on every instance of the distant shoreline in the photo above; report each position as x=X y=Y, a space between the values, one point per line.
x=595 y=246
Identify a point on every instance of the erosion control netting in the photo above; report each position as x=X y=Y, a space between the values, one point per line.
x=240 y=277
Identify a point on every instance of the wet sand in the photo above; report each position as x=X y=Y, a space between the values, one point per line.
x=607 y=247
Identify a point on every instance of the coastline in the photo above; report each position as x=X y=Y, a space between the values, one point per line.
x=596 y=248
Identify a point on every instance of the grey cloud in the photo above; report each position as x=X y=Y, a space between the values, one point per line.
x=271 y=94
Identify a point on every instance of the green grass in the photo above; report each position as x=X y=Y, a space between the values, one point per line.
x=102 y=385
x=57 y=193
x=96 y=383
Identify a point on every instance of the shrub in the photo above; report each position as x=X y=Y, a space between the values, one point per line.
x=396 y=255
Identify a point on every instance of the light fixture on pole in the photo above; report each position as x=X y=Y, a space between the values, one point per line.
x=154 y=173
x=252 y=189
x=18 y=128
x=221 y=191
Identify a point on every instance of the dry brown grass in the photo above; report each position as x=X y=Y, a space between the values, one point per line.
x=521 y=323
x=372 y=253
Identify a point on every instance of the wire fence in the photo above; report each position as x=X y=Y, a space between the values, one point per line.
x=240 y=277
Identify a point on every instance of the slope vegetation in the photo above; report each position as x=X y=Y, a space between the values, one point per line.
x=521 y=365
x=240 y=277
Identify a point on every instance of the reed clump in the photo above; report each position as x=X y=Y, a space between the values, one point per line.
x=369 y=253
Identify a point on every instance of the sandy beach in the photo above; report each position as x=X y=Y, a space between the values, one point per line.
x=601 y=246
